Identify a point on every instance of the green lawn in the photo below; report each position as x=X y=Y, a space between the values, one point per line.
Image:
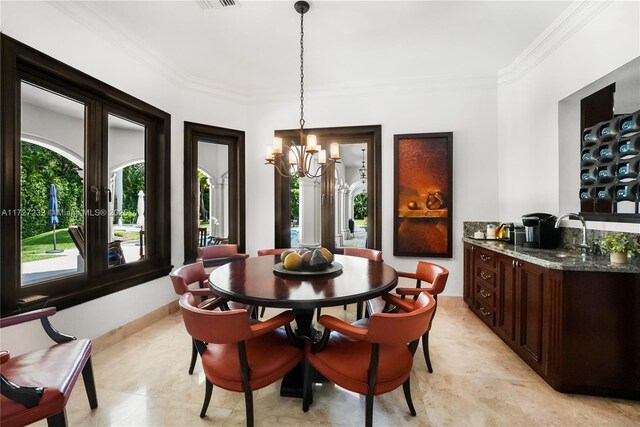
x=34 y=248
x=360 y=222
x=127 y=235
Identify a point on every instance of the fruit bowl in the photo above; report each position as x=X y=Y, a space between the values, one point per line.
x=307 y=262
x=333 y=268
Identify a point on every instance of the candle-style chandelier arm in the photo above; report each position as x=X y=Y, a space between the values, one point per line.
x=321 y=170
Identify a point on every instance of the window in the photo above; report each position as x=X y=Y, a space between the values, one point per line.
x=85 y=185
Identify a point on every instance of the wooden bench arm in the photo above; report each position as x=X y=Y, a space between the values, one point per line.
x=27 y=317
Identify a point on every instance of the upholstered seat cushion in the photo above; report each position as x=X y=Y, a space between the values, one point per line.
x=56 y=368
x=269 y=356
x=345 y=361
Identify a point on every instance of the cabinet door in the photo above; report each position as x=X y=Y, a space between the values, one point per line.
x=468 y=273
x=531 y=284
x=506 y=285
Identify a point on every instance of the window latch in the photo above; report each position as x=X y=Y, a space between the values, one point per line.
x=96 y=190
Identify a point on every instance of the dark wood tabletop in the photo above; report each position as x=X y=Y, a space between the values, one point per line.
x=253 y=281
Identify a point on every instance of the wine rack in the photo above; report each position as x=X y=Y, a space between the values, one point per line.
x=610 y=162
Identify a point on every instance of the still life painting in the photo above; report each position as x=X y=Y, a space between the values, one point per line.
x=423 y=194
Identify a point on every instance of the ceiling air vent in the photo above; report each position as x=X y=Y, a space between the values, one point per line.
x=216 y=4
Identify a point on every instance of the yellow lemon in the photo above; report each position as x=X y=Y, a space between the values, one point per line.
x=293 y=261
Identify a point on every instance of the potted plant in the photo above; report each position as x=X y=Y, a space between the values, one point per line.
x=620 y=246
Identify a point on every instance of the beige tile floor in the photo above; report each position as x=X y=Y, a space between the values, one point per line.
x=478 y=381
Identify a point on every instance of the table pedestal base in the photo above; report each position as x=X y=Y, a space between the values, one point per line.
x=292 y=383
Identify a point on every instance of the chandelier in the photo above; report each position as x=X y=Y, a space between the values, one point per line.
x=363 y=170
x=300 y=156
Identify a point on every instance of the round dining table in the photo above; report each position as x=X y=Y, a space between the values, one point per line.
x=253 y=281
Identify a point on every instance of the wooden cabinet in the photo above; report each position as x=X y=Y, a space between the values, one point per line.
x=579 y=330
x=520 y=308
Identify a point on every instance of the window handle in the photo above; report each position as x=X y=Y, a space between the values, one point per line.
x=106 y=190
x=97 y=191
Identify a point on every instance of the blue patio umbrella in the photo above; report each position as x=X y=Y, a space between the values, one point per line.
x=53 y=214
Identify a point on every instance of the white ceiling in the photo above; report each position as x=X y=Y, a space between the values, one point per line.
x=254 y=47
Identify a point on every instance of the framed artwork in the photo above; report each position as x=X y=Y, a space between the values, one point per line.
x=423 y=194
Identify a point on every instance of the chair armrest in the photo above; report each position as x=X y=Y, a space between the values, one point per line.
x=275 y=322
x=27 y=396
x=413 y=291
x=201 y=292
x=242 y=256
x=26 y=317
x=344 y=328
x=407 y=275
x=402 y=304
x=211 y=303
x=4 y=357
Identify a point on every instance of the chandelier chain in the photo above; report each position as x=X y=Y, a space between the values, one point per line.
x=302 y=71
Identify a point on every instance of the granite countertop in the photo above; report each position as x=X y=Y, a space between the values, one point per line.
x=558 y=259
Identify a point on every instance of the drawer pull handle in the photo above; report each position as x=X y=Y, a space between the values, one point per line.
x=485 y=293
x=485 y=257
x=485 y=312
x=484 y=275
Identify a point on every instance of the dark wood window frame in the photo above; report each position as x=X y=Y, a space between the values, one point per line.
x=374 y=186
x=23 y=63
x=234 y=139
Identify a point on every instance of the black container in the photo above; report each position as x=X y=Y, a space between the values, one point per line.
x=627 y=168
x=540 y=231
x=603 y=152
x=626 y=191
x=608 y=130
x=586 y=158
x=628 y=146
x=589 y=137
x=588 y=175
x=606 y=173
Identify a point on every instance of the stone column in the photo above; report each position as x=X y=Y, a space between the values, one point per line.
x=118 y=196
x=309 y=212
x=211 y=203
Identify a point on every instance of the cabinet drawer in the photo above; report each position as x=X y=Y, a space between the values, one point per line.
x=487 y=314
x=486 y=275
x=485 y=258
x=486 y=295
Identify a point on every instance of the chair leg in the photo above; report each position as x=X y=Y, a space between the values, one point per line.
x=344 y=307
x=406 y=387
x=425 y=350
x=262 y=311
x=248 y=400
x=369 y=411
x=359 y=306
x=207 y=397
x=194 y=356
x=90 y=384
x=318 y=314
x=58 y=420
x=307 y=387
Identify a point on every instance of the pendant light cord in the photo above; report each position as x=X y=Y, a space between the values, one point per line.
x=301 y=72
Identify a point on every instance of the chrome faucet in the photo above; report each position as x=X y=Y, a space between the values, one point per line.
x=584 y=246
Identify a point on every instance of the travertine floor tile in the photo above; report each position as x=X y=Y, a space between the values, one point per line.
x=477 y=381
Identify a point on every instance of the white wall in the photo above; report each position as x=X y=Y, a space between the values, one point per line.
x=50 y=30
x=533 y=157
x=469 y=112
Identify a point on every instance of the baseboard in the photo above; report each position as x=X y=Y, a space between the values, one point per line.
x=128 y=329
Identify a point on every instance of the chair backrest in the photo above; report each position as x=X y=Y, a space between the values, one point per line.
x=402 y=328
x=263 y=252
x=434 y=274
x=218 y=327
x=370 y=254
x=186 y=275
x=217 y=251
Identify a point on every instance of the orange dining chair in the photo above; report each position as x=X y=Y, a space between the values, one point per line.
x=370 y=254
x=370 y=356
x=238 y=353
x=37 y=385
x=435 y=279
x=194 y=279
x=277 y=251
x=217 y=255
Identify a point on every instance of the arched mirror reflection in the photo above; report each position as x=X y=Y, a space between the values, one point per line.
x=214 y=187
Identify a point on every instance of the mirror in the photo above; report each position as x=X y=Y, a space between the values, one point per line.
x=571 y=112
x=214 y=200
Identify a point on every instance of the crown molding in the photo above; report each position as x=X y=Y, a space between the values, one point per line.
x=86 y=14
x=574 y=18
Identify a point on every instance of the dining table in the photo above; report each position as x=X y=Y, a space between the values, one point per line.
x=261 y=281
